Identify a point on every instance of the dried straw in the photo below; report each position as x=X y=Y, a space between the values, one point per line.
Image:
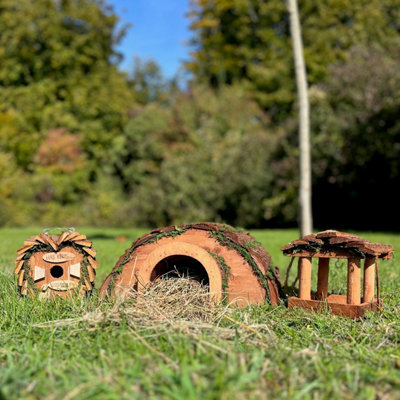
x=179 y=305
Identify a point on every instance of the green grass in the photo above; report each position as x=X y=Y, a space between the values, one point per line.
x=267 y=353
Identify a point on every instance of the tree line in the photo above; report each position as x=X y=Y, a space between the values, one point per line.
x=82 y=142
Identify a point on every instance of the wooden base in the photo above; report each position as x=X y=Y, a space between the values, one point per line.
x=336 y=305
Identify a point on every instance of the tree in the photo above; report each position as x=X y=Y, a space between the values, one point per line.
x=305 y=217
x=356 y=136
x=62 y=102
x=147 y=81
x=248 y=41
x=207 y=156
x=58 y=69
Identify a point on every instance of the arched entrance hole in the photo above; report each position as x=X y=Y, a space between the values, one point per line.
x=180 y=266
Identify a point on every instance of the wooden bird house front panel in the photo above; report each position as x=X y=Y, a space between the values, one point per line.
x=51 y=265
x=56 y=272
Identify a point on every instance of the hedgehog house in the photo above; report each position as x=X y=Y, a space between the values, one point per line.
x=231 y=263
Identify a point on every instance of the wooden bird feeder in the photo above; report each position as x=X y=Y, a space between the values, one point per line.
x=231 y=263
x=333 y=244
x=51 y=265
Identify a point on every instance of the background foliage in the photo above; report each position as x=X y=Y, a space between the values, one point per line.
x=83 y=143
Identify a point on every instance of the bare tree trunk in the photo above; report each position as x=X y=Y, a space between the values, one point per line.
x=306 y=223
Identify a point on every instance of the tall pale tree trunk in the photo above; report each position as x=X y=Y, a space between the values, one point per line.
x=305 y=217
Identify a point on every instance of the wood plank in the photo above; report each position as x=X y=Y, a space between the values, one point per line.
x=41 y=239
x=92 y=252
x=52 y=243
x=339 y=253
x=305 y=268
x=30 y=241
x=323 y=278
x=19 y=266
x=84 y=243
x=299 y=242
x=342 y=240
x=332 y=233
x=71 y=236
x=312 y=239
x=19 y=258
x=24 y=249
x=337 y=298
x=88 y=284
x=288 y=247
x=45 y=238
x=369 y=279
x=344 y=310
x=21 y=277
x=78 y=237
x=92 y=274
x=353 y=281
x=92 y=262
x=62 y=237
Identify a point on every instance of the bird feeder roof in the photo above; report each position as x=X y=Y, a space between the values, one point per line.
x=335 y=244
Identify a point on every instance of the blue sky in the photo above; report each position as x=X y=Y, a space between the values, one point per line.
x=159 y=31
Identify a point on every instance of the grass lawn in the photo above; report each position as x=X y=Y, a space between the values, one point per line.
x=93 y=350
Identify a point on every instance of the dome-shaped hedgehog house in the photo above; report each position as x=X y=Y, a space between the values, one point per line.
x=56 y=265
x=233 y=266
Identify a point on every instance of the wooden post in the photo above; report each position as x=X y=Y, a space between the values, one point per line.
x=305 y=266
x=369 y=279
x=323 y=277
x=353 y=281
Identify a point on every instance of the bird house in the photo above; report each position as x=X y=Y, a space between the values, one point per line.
x=232 y=265
x=359 y=253
x=56 y=265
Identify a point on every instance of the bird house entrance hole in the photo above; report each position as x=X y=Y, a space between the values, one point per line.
x=180 y=266
x=57 y=271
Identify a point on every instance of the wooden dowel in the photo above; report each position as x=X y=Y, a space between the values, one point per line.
x=323 y=278
x=305 y=267
x=353 y=281
x=369 y=279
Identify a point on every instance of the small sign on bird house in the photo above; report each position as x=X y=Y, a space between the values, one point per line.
x=56 y=265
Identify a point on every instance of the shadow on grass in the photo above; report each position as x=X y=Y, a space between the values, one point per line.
x=104 y=236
